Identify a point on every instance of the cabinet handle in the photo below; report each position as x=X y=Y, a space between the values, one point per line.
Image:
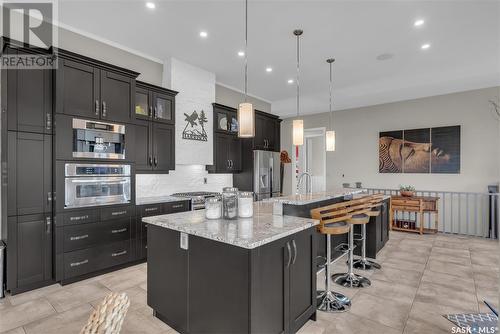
x=116 y=213
x=151 y=161
x=155 y=114
x=289 y=250
x=49 y=197
x=150 y=112
x=177 y=206
x=119 y=253
x=75 y=264
x=156 y=161
x=151 y=209
x=48 y=224
x=294 y=251
x=97 y=107
x=79 y=237
x=119 y=231
x=78 y=217
x=48 y=121
x=104 y=109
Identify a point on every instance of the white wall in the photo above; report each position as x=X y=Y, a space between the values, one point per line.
x=357 y=130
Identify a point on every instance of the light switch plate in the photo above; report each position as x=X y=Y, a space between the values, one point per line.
x=184 y=241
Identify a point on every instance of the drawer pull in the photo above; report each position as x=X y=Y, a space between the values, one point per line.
x=177 y=206
x=119 y=231
x=150 y=209
x=119 y=253
x=79 y=237
x=118 y=213
x=79 y=217
x=75 y=264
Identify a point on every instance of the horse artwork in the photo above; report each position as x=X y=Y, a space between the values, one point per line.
x=195 y=126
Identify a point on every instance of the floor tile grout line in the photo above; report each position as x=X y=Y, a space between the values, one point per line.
x=419 y=284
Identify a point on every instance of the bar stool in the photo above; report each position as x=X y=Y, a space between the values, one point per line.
x=363 y=263
x=350 y=279
x=328 y=300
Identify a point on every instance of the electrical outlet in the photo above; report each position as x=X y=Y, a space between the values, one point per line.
x=205 y=181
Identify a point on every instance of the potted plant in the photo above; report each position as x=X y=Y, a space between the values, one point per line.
x=407 y=191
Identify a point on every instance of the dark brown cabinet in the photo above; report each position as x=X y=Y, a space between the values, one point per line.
x=163 y=147
x=227 y=149
x=156 y=209
x=227 y=145
x=154 y=147
x=29 y=99
x=90 y=89
x=221 y=288
x=154 y=103
x=29 y=259
x=154 y=129
x=267 y=132
x=29 y=186
x=289 y=298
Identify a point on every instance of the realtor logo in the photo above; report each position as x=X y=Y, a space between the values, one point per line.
x=29 y=24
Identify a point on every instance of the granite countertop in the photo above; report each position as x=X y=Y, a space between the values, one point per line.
x=158 y=199
x=304 y=199
x=262 y=228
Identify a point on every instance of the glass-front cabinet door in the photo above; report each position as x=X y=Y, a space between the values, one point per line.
x=143 y=105
x=163 y=108
x=227 y=122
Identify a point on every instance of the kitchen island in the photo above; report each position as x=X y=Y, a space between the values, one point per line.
x=377 y=230
x=248 y=275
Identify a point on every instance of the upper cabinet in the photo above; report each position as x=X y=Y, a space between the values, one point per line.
x=154 y=103
x=227 y=145
x=91 y=89
x=267 y=132
x=28 y=98
x=154 y=114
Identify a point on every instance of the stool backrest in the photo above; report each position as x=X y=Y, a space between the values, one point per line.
x=345 y=210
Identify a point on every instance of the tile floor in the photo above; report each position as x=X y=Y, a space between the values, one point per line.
x=422 y=277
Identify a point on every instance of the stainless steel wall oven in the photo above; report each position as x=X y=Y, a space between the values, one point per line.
x=96 y=184
x=92 y=139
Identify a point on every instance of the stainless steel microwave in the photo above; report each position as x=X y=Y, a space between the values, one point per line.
x=94 y=185
x=99 y=140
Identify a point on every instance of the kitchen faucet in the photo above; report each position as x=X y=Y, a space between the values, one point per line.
x=299 y=182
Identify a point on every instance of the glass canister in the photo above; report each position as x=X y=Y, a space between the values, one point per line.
x=213 y=208
x=245 y=204
x=230 y=203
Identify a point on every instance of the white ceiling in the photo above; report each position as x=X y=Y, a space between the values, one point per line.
x=464 y=37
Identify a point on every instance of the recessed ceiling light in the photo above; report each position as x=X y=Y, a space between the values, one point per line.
x=150 y=5
x=241 y=53
x=418 y=23
x=203 y=34
x=425 y=46
x=269 y=69
x=290 y=81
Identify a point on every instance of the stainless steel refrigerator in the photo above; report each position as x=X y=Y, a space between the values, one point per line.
x=266 y=174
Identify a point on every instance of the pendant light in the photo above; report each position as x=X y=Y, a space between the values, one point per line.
x=298 y=124
x=330 y=135
x=246 y=114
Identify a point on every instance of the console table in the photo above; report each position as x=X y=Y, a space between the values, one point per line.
x=419 y=205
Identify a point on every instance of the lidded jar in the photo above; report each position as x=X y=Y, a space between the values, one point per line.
x=213 y=208
x=245 y=204
x=230 y=203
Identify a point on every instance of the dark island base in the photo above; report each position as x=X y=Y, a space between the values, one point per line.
x=377 y=230
x=214 y=287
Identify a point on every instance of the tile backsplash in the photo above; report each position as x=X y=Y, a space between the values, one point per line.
x=184 y=178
